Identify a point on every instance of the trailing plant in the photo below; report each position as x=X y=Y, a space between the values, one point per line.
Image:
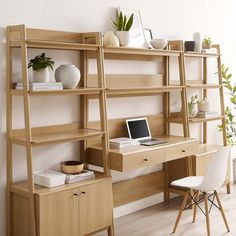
x=229 y=110
x=122 y=23
x=207 y=40
x=41 y=62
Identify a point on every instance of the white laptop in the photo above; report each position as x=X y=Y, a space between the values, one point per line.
x=138 y=129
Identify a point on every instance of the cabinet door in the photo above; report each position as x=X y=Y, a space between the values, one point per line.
x=95 y=206
x=58 y=214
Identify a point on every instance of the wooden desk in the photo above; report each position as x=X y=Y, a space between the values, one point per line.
x=144 y=156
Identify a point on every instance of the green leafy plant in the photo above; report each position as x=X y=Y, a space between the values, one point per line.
x=229 y=111
x=207 y=40
x=41 y=62
x=122 y=23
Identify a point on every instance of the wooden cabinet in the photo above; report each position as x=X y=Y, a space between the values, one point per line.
x=78 y=211
x=95 y=207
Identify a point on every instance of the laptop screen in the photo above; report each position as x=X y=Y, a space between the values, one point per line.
x=138 y=128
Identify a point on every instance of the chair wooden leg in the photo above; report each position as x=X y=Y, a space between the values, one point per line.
x=181 y=211
x=195 y=207
x=222 y=211
x=228 y=188
x=207 y=216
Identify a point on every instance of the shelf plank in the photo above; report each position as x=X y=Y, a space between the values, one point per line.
x=21 y=188
x=56 y=45
x=200 y=54
x=142 y=91
x=204 y=86
x=197 y=120
x=140 y=51
x=179 y=120
x=54 y=134
x=76 y=91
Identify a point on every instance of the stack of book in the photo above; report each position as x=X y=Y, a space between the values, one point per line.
x=123 y=142
x=85 y=174
x=42 y=86
x=207 y=114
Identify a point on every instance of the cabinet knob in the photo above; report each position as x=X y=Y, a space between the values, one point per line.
x=75 y=194
x=145 y=159
x=183 y=151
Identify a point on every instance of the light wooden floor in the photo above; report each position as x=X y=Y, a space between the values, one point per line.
x=159 y=220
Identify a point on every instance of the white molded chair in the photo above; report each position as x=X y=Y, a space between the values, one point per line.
x=207 y=186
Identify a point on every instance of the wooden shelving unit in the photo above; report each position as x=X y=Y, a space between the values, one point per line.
x=33 y=210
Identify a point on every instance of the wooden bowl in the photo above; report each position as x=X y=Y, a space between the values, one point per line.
x=72 y=167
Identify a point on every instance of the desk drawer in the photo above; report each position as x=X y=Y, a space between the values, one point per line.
x=181 y=150
x=143 y=159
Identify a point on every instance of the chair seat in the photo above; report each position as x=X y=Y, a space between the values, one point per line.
x=188 y=182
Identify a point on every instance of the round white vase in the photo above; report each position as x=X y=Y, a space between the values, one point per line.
x=110 y=39
x=41 y=76
x=124 y=37
x=69 y=75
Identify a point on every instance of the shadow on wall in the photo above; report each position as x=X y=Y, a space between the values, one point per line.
x=2 y=128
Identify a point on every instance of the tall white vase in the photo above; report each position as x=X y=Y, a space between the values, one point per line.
x=41 y=76
x=198 y=40
x=69 y=75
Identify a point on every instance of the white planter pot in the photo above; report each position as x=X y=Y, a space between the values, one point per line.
x=198 y=40
x=110 y=39
x=204 y=106
x=69 y=75
x=41 y=76
x=124 y=37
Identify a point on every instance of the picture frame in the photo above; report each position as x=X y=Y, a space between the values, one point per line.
x=137 y=30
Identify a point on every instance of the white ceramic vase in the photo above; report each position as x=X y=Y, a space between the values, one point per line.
x=124 y=38
x=205 y=106
x=110 y=39
x=198 y=40
x=69 y=75
x=41 y=76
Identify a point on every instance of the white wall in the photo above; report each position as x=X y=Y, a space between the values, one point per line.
x=167 y=19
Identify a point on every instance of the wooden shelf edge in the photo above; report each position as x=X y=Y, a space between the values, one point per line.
x=204 y=86
x=22 y=189
x=77 y=91
x=200 y=54
x=199 y=120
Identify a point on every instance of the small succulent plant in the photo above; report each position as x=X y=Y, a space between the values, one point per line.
x=41 y=62
x=122 y=23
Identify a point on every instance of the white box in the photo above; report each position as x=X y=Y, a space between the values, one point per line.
x=48 y=178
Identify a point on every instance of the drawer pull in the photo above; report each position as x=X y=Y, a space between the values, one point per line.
x=75 y=194
x=183 y=151
x=145 y=159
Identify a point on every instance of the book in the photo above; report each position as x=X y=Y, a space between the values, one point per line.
x=85 y=174
x=123 y=142
x=42 y=86
x=207 y=114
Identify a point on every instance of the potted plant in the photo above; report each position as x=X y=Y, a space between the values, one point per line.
x=122 y=26
x=193 y=106
x=229 y=110
x=40 y=65
x=206 y=44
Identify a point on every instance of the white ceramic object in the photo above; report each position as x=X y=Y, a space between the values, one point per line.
x=193 y=110
x=110 y=39
x=69 y=75
x=159 y=43
x=41 y=76
x=204 y=106
x=198 y=40
x=124 y=38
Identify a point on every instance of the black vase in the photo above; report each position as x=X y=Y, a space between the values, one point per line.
x=190 y=46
